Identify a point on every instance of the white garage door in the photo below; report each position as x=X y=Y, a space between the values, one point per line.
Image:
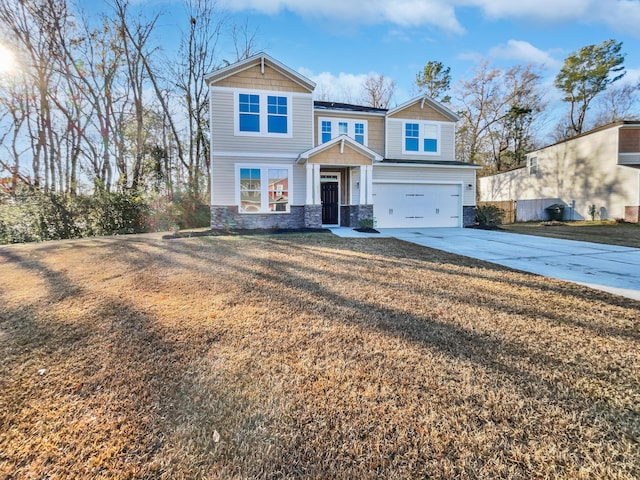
x=406 y=205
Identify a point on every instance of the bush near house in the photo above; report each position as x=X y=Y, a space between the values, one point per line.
x=489 y=215
x=33 y=216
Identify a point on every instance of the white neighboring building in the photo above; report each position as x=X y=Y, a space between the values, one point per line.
x=600 y=168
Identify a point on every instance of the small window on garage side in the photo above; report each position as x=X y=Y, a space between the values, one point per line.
x=533 y=165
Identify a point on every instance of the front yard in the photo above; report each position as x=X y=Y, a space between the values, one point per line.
x=307 y=356
x=612 y=233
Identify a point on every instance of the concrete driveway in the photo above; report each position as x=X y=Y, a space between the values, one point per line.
x=611 y=268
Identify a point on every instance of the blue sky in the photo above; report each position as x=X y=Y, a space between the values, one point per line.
x=339 y=42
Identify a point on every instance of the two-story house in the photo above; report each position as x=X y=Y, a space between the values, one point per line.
x=281 y=160
x=596 y=172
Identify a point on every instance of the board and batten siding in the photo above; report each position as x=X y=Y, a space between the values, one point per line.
x=395 y=138
x=224 y=178
x=223 y=126
x=408 y=174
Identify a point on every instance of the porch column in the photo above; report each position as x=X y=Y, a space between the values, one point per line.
x=309 y=200
x=363 y=185
x=369 y=198
x=316 y=184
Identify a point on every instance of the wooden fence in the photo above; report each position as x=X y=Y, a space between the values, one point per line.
x=509 y=208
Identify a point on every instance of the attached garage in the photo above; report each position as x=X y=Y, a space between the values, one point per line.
x=417 y=205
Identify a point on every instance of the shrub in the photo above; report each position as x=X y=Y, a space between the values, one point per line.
x=489 y=215
x=367 y=223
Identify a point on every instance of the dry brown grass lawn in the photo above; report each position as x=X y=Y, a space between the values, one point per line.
x=612 y=233
x=307 y=356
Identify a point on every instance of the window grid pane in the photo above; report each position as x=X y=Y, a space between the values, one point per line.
x=250 y=188
x=326 y=131
x=278 y=190
x=277 y=114
x=412 y=137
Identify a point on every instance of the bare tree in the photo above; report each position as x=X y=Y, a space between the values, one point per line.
x=378 y=91
x=498 y=109
x=619 y=102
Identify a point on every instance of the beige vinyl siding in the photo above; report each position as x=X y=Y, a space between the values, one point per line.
x=223 y=127
x=584 y=169
x=333 y=156
x=395 y=139
x=224 y=178
x=408 y=174
x=375 y=127
x=416 y=112
x=270 y=80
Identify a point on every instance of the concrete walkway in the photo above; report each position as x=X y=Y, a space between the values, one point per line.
x=611 y=268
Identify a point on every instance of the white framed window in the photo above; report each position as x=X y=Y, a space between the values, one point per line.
x=333 y=127
x=263 y=188
x=420 y=137
x=262 y=113
x=532 y=163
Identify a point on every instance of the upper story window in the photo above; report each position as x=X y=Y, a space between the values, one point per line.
x=326 y=131
x=277 y=114
x=421 y=138
x=249 y=107
x=263 y=189
x=333 y=127
x=533 y=165
x=262 y=114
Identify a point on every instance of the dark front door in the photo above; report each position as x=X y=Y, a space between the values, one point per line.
x=329 y=199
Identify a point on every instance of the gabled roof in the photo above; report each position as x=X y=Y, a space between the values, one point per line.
x=259 y=59
x=342 y=140
x=425 y=100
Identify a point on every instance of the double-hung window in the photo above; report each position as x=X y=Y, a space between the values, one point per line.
x=276 y=114
x=263 y=189
x=326 y=131
x=411 y=137
x=421 y=138
x=533 y=165
x=249 y=108
x=359 y=129
x=263 y=114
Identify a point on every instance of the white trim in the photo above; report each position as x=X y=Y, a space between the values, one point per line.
x=247 y=63
x=351 y=128
x=427 y=165
x=264 y=185
x=358 y=147
x=422 y=124
x=422 y=182
x=335 y=178
x=431 y=102
x=263 y=114
x=257 y=155
x=346 y=113
x=260 y=91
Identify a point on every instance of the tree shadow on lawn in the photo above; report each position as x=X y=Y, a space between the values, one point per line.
x=484 y=349
x=92 y=386
x=297 y=288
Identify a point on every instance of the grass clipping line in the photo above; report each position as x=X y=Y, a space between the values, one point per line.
x=307 y=356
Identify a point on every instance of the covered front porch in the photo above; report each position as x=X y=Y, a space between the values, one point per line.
x=339 y=183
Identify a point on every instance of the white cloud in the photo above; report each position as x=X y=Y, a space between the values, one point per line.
x=406 y=13
x=344 y=87
x=524 y=52
x=620 y=15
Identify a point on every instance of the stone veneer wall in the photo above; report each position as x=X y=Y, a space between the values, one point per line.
x=632 y=214
x=227 y=217
x=468 y=216
x=350 y=215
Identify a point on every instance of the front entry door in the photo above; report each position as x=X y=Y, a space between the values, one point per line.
x=329 y=199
